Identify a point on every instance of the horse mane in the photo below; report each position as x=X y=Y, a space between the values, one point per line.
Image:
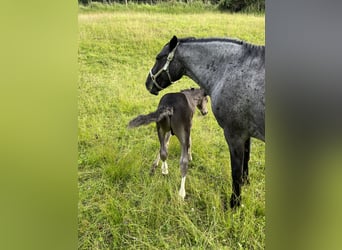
x=250 y=49
x=214 y=39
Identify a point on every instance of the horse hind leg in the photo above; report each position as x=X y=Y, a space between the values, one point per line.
x=164 y=166
x=184 y=168
x=184 y=160
x=236 y=149
x=155 y=164
x=246 y=154
x=164 y=138
x=189 y=150
x=164 y=152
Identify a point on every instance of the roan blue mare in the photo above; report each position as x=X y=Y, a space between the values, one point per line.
x=232 y=73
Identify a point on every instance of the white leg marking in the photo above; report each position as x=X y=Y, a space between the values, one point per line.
x=165 y=169
x=182 y=188
x=156 y=161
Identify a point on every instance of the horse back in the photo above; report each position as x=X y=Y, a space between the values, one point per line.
x=178 y=101
x=182 y=112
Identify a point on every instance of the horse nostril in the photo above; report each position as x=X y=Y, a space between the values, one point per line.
x=154 y=92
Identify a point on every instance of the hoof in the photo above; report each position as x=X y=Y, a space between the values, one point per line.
x=235 y=201
x=154 y=166
x=245 y=180
x=165 y=169
x=181 y=194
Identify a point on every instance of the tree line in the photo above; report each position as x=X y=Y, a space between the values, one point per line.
x=231 y=5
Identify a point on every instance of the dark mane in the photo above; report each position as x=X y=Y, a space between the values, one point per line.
x=250 y=46
x=251 y=49
x=214 y=39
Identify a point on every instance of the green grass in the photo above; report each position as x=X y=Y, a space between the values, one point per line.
x=120 y=205
x=162 y=7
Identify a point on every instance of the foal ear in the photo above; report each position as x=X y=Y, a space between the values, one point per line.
x=204 y=92
x=173 y=43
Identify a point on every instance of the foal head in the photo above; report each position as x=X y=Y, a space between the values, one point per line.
x=199 y=97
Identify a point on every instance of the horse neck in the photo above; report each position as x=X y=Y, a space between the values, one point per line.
x=191 y=101
x=206 y=62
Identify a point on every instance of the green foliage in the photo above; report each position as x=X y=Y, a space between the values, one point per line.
x=120 y=205
x=162 y=7
x=250 y=6
x=243 y=5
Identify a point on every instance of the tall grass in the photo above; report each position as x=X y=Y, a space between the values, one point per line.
x=120 y=205
x=162 y=7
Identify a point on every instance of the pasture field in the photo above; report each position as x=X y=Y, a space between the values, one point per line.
x=120 y=205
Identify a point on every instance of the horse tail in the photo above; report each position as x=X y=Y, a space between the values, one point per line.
x=156 y=116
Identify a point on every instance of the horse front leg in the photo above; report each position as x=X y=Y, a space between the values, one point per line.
x=236 y=149
x=246 y=154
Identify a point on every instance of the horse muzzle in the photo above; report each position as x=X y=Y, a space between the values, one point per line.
x=154 y=92
x=150 y=86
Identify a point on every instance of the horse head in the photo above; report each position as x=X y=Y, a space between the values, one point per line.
x=166 y=70
x=203 y=103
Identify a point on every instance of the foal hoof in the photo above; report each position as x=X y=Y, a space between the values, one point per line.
x=165 y=169
x=235 y=201
x=245 y=181
x=182 y=194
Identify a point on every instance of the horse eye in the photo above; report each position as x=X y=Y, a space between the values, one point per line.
x=160 y=56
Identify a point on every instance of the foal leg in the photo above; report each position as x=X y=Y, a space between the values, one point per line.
x=164 y=138
x=245 y=179
x=184 y=160
x=164 y=153
x=236 y=149
x=189 y=151
x=155 y=164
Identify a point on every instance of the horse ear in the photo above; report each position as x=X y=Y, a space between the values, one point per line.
x=173 y=43
x=204 y=92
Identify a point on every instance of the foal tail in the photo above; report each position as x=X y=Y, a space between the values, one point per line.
x=156 y=116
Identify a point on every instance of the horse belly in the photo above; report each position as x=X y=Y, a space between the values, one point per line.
x=238 y=117
x=220 y=114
